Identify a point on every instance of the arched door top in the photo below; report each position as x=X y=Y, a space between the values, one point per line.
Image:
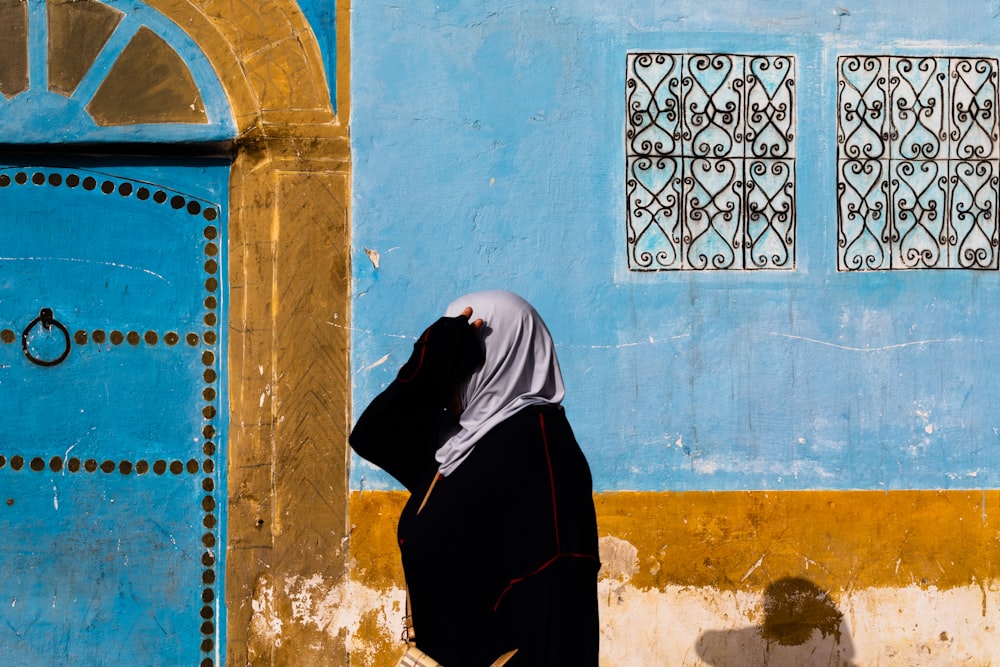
x=99 y=72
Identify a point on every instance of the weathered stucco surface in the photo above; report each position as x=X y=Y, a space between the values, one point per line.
x=495 y=127
x=691 y=626
x=763 y=442
x=289 y=317
x=750 y=578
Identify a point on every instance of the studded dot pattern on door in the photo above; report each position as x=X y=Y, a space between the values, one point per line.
x=112 y=399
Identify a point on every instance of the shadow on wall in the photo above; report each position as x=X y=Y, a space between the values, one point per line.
x=802 y=627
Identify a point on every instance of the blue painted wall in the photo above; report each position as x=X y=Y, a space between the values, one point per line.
x=489 y=153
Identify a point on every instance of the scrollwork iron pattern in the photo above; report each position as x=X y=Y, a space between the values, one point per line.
x=710 y=162
x=918 y=163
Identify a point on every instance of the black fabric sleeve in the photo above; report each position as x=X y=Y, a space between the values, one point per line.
x=400 y=430
x=443 y=357
x=397 y=432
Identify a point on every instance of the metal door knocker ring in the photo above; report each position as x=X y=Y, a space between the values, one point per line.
x=47 y=321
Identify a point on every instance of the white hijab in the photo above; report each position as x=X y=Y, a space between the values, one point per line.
x=520 y=369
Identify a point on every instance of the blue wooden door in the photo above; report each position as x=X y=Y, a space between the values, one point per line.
x=113 y=405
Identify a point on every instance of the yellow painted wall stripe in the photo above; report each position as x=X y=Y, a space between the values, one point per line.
x=839 y=540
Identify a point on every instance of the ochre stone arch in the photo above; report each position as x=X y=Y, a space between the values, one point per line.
x=288 y=337
x=268 y=59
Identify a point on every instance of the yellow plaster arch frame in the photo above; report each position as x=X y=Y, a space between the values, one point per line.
x=289 y=315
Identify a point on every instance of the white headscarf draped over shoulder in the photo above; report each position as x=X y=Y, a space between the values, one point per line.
x=520 y=369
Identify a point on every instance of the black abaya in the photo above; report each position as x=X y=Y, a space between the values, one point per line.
x=503 y=554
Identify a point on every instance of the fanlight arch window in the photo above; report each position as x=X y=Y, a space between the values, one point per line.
x=83 y=71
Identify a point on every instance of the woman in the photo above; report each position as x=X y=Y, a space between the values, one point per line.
x=498 y=539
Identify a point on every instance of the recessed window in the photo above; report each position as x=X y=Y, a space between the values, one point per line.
x=917 y=163
x=710 y=162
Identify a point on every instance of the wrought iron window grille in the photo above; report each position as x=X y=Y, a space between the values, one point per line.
x=710 y=162
x=918 y=163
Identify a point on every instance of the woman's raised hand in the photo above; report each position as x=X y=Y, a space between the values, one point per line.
x=467 y=314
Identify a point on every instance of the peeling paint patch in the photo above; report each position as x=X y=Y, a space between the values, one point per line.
x=760 y=561
x=377 y=363
x=265 y=621
x=341 y=608
x=619 y=559
x=694 y=626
